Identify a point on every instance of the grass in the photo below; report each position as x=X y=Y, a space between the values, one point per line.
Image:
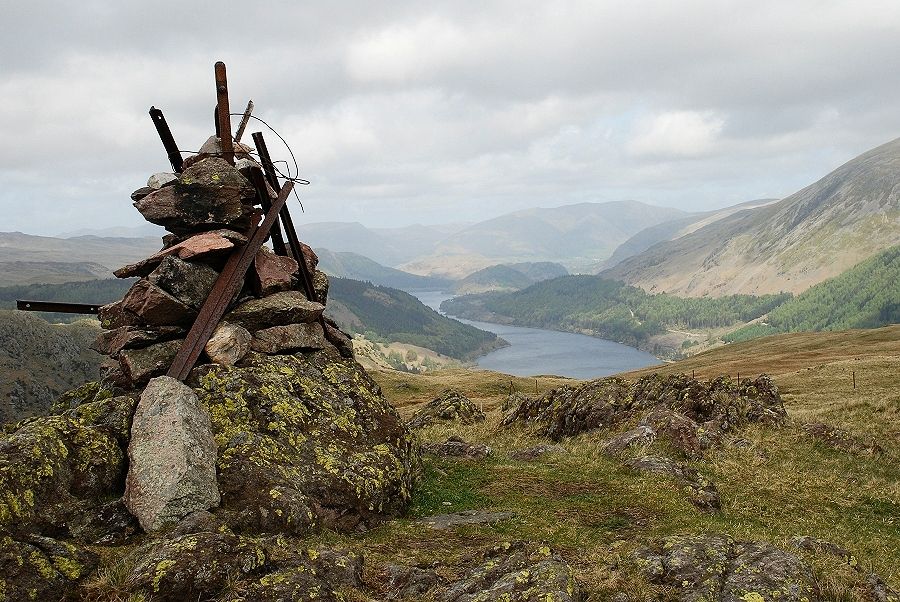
x=595 y=512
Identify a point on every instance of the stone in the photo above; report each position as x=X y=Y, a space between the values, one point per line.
x=842 y=440
x=320 y=286
x=141 y=193
x=409 y=582
x=338 y=338
x=310 y=257
x=213 y=148
x=291 y=337
x=198 y=247
x=306 y=441
x=719 y=569
x=702 y=491
x=318 y=574
x=513 y=572
x=210 y=194
x=158 y=180
x=140 y=365
x=450 y=406
x=814 y=544
x=228 y=344
x=288 y=307
x=155 y=307
x=41 y=568
x=110 y=342
x=189 y=282
x=879 y=591
x=455 y=447
x=111 y=524
x=441 y=522
x=272 y=273
x=172 y=456
x=115 y=315
x=680 y=432
x=639 y=436
x=194 y=567
x=536 y=451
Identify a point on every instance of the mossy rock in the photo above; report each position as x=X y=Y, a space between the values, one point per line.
x=450 y=406
x=305 y=441
x=41 y=568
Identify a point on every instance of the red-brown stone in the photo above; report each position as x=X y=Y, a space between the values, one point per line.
x=272 y=273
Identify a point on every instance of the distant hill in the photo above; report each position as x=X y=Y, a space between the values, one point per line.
x=810 y=236
x=509 y=277
x=865 y=296
x=573 y=235
x=39 y=361
x=676 y=228
x=389 y=314
x=352 y=265
x=26 y=259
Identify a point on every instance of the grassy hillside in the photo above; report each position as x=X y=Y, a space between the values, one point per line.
x=865 y=296
x=389 y=314
x=776 y=482
x=816 y=233
x=609 y=309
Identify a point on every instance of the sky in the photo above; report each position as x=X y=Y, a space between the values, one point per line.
x=434 y=112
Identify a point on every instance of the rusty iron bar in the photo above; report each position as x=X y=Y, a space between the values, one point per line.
x=259 y=182
x=224 y=113
x=293 y=240
x=244 y=120
x=226 y=286
x=63 y=308
x=165 y=134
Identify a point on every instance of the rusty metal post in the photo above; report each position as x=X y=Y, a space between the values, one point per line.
x=224 y=119
x=165 y=134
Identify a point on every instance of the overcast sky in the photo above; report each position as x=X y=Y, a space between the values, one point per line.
x=429 y=112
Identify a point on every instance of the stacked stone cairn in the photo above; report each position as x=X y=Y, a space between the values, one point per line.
x=207 y=210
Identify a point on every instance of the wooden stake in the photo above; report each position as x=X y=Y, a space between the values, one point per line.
x=224 y=113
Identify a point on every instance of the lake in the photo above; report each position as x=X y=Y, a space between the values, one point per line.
x=535 y=351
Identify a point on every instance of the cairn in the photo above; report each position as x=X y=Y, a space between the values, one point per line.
x=208 y=210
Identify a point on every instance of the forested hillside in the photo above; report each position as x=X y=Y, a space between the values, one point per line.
x=866 y=296
x=509 y=276
x=609 y=308
x=392 y=315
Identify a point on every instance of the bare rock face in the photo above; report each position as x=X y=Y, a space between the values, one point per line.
x=228 y=344
x=291 y=337
x=289 y=307
x=210 y=194
x=173 y=456
x=719 y=569
x=272 y=273
x=188 y=282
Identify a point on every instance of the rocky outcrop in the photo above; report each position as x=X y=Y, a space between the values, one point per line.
x=701 y=491
x=456 y=447
x=450 y=406
x=172 y=470
x=719 y=569
x=515 y=572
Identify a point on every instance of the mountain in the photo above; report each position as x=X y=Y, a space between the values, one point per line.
x=573 y=235
x=142 y=231
x=865 y=296
x=676 y=228
x=26 y=259
x=357 y=267
x=509 y=277
x=810 y=236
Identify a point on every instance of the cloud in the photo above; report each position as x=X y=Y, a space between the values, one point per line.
x=675 y=134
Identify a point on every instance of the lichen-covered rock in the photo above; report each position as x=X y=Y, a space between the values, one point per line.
x=702 y=491
x=338 y=338
x=172 y=455
x=682 y=433
x=208 y=195
x=513 y=572
x=639 y=436
x=140 y=365
x=228 y=344
x=189 y=282
x=843 y=440
x=456 y=447
x=305 y=440
x=194 y=567
x=54 y=470
x=288 y=307
x=41 y=568
x=409 y=582
x=715 y=568
x=450 y=406
x=879 y=591
x=536 y=451
x=316 y=574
